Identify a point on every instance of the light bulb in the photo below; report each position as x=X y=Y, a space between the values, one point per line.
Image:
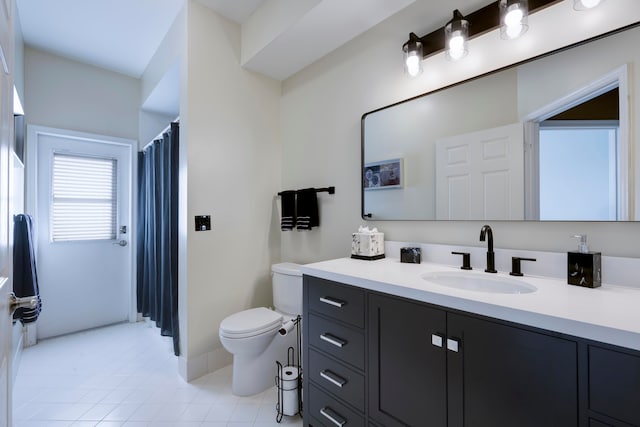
x=513 y=17
x=513 y=31
x=456 y=34
x=412 y=56
x=456 y=46
x=413 y=65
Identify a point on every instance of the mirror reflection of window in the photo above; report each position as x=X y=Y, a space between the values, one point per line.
x=578 y=171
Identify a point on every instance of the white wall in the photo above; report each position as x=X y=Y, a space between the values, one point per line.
x=66 y=94
x=151 y=124
x=230 y=167
x=322 y=106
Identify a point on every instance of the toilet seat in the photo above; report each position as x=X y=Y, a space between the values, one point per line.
x=249 y=323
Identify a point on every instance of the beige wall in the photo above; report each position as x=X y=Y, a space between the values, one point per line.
x=66 y=94
x=321 y=110
x=230 y=163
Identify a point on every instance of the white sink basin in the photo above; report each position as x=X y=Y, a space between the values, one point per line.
x=479 y=282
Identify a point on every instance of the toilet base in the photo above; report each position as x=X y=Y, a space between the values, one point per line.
x=254 y=374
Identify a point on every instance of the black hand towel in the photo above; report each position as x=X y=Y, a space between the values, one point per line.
x=288 y=201
x=25 y=277
x=307 y=209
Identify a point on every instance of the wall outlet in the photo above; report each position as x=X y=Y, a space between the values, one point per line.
x=203 y=222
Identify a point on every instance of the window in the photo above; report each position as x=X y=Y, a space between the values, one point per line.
x=84 y=205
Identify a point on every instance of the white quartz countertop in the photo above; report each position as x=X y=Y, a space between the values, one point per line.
x=609 y=314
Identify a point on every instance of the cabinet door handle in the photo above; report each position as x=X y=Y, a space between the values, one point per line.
x=453 y=345
x=333 y=378
x=333 y=301
x=333 y=416
x=338 y=342
x=436 y=340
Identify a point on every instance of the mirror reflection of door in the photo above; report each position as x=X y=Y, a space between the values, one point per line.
x=579 y=173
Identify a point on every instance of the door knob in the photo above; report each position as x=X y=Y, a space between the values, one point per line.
x=121 y=242
x=25 y=302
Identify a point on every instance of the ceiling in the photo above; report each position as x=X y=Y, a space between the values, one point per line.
x=123 y=35
x=119 y=35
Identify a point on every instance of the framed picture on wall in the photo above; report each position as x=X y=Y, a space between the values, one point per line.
x=381 y=175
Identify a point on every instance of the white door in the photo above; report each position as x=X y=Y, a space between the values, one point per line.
x=481 y=175
x=6 y=260
x=84 y=254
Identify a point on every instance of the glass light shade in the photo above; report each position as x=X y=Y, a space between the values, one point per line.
x=412 y=58
x=586 y=4
x=513 y=18
x=456 y=36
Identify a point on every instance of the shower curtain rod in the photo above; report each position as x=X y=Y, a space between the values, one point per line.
x=159 y=136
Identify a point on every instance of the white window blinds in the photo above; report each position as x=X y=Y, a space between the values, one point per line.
x=84 y=192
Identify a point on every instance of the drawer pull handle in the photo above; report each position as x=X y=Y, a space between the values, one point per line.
x=333 y=301
x=436 y=340
x=333 y=416
x=338 y=342
x=453 y=345
x=333 y=378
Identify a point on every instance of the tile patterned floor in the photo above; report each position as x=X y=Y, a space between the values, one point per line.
x=126 y=376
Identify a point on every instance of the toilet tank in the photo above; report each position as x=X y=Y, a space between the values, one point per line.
x=287 y=288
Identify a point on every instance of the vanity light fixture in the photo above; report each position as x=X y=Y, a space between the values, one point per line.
x=412 y=56
x=456 y=36
x=513 y=18
x=586 y=4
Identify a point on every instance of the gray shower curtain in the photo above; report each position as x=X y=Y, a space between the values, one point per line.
x=157 y=234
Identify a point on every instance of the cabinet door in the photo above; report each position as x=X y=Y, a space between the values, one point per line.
x=614 y=384
x=407 y=373
x=502 y=376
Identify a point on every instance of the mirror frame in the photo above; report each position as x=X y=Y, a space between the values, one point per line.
x=368 y=217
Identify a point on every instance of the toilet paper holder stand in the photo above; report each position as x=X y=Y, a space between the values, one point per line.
x=289 y=381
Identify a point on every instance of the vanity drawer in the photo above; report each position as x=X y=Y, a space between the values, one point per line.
x=339 y=341
x=337 y=379
x=330 y=412
x=344 y=303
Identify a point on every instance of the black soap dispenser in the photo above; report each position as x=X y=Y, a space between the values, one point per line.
x=584 y=267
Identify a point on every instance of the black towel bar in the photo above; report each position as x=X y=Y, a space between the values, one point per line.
x=330 y=190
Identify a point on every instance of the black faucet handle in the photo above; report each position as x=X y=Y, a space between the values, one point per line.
x=515 y=265
x=466 y=260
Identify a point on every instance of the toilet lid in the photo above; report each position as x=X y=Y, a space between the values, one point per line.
x=254 y=320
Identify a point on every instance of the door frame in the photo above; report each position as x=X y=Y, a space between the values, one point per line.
x=31 y=180
x=619 y=78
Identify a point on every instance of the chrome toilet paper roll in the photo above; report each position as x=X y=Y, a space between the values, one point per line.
x=289 y=386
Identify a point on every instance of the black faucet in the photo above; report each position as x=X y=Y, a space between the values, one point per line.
x=491 y=256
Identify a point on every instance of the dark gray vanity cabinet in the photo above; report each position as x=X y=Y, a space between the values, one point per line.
x=430 y=365
x=334 y=354
x=379 y=360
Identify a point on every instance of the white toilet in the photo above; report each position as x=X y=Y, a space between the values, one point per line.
x=253 y=337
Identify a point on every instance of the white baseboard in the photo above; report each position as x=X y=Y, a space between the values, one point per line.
x=196 y=367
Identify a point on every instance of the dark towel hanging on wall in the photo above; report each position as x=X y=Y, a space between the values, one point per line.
x=25 y=277
x=307 y=215
x=288 y=201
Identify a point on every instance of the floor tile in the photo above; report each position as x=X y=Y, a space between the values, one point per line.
x=126 y=376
